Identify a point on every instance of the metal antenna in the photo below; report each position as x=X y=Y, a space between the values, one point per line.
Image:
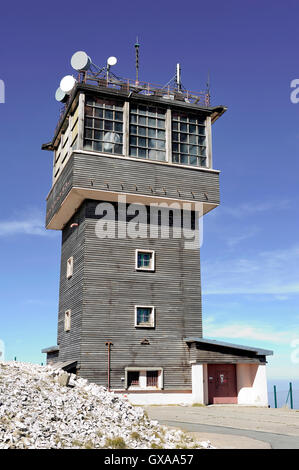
x=178 y=77
x=208 y=95
x=137 y=58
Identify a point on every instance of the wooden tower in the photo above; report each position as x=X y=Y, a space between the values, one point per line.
x=131 y=160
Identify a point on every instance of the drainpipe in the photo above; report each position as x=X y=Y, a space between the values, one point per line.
x=109 y=344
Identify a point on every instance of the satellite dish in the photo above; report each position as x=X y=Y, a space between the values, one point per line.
x=60 y=95
x=111 y=60
x=67 y=83
x=80 y=61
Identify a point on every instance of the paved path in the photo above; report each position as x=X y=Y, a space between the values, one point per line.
x=233 y=427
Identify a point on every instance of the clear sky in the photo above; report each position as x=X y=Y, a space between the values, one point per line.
x=250 y=254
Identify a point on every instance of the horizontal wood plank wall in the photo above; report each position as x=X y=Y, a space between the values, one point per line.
x=60 y=190
x=112 y=288
x=213 y=354
x=71 y=290
x=125 y=175
x=150 y=178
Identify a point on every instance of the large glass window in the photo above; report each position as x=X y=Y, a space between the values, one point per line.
x=188 y=140
x=147 y=132
x=103 y=125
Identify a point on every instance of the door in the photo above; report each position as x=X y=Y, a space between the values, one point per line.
x=222 y=384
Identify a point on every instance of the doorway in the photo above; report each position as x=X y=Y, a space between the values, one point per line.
x=222 y=384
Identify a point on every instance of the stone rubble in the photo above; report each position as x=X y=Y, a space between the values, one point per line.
x=41 y=408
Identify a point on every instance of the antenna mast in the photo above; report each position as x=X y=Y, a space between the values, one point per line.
x=137 y=59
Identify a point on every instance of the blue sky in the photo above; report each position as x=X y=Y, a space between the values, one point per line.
x=250 y=254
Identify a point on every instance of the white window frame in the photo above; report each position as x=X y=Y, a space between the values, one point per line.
x=69 y=267
x=153 y=260
x=153 y=315
x=143 y=378
x=67 y=320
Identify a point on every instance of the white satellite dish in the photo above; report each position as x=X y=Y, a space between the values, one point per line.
x=80 y=61
x=67 y=83
x=60 y=95
x=112 y=60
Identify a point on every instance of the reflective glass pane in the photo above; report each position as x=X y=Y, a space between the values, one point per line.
x=161 y=134
x=141 y=141
x=98 y=135
x=118 y=148
x=152 y=143
x=133 y=151
x=175 y=158
x=108 y=125
x=161 y=123
x=98 y=146
x=98 y=124
x=193 y=150
x=152 y=132
x=183 y=137
x=142 y=120
x=183 y=127
x=133 y=129
x=152 y=122
x=141 y=152
x=98 y=112
x=152 y=154
x=133 y=140
x=193 y=161
x=88 y=144
x=161 y=144
x=88 y=133
x=141 y=130
x=161 y=156
x=133 y=118
x=118 y=116
x=184 y=159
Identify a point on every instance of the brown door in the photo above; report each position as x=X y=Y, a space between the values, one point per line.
x=222 y=383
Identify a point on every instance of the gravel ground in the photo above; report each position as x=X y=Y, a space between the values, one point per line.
x=41 y=407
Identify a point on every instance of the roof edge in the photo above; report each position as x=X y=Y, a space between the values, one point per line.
x=257 y=351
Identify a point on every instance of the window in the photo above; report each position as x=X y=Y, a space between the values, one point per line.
x=152 y=378
x=133 y=379
x=144 y=378
x=144 y=316
x=147 y=132
x=188 y=140
x=69 y=267
x=145 y=260
x=103 y=125
x=67 y=320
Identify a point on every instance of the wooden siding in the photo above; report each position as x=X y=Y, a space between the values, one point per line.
x=127 y=176
x=71 y=290
x=215 y=354
x=112 y=288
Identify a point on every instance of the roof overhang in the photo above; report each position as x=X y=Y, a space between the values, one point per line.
x=50 y=349
x=203 y=341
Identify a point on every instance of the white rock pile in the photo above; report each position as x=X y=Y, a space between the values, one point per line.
x=42 y=408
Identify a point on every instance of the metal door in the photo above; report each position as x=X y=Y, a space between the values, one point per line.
x=222 y=383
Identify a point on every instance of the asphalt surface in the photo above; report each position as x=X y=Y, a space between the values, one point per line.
x=234 y=427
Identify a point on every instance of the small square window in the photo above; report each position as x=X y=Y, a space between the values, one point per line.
x=145 y=260
x=144 y=316
x=67 y=320
x=133 y=379
x=69 y=267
